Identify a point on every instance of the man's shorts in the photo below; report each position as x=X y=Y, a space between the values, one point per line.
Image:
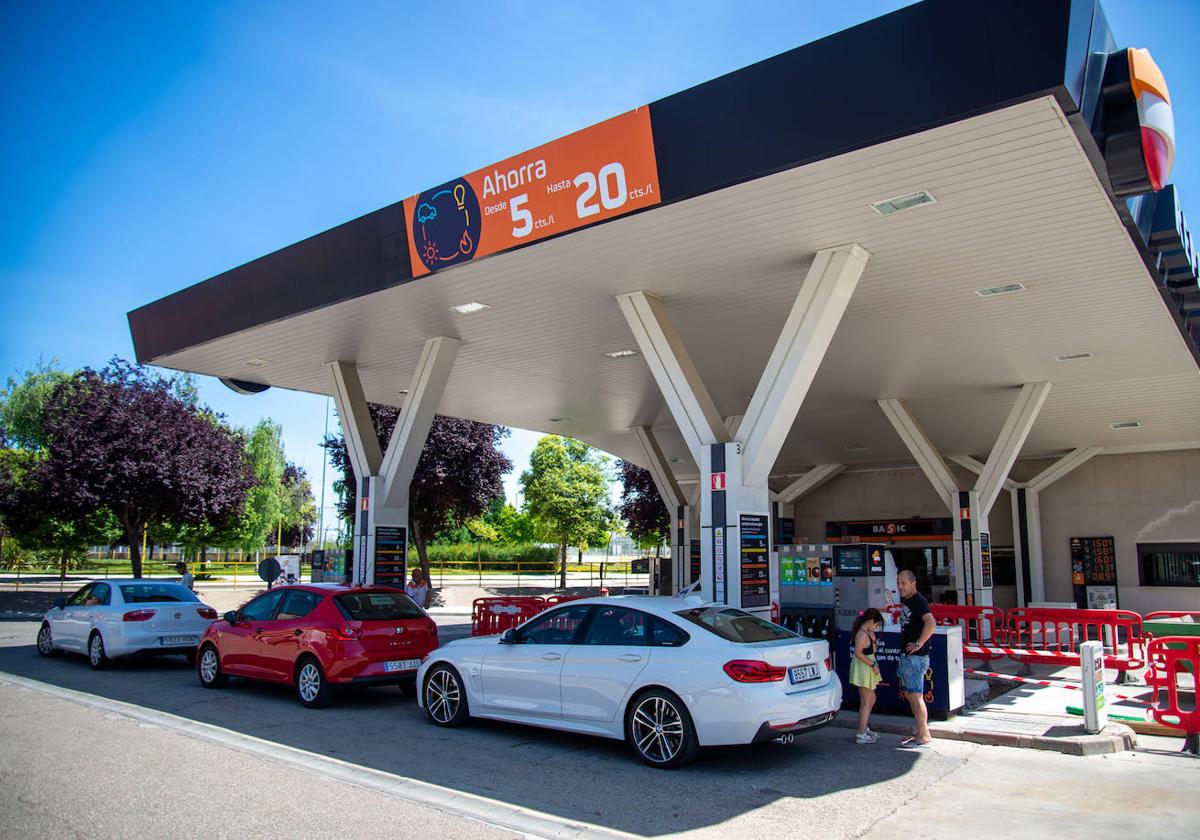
x=911 y=673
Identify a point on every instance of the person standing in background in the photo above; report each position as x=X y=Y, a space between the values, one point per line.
x=185 y=577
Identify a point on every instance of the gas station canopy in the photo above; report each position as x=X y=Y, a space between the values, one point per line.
x=979 y=152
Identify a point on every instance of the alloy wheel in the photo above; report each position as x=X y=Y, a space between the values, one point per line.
x=44 y=642
x=96 y=651
x=309 y=683
x=208 y=665
x=443 y=696
x=657 y=729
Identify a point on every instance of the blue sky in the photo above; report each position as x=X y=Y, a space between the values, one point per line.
x=148 y=146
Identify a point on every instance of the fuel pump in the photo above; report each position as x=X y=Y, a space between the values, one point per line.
x=864 y=575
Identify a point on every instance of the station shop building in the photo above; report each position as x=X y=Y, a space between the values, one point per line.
x=952 y=306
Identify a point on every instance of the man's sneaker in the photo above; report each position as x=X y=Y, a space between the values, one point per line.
x=867 y=737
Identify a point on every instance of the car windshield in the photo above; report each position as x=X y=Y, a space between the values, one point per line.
x=156 y=593
x=735 y=625
x=377 y=606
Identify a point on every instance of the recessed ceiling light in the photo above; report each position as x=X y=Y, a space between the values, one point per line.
x=902 y=202
x=558 y=419
x=1006 y=289
x=468 y=308
x=1070 y=357
x=402 y=391
x=1126 y=424
x=673 y=460
x=620 y=354
x=258 y=362
x=856 y=447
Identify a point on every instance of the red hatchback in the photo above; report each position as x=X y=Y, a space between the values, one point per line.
x=318 y=636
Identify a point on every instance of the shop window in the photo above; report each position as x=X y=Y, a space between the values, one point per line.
x=1169 y=564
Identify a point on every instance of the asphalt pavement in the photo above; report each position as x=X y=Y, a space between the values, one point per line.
x=823 y=785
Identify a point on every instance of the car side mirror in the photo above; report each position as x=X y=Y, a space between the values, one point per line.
x=231 y=617
x=60 y=602
x=509 y=636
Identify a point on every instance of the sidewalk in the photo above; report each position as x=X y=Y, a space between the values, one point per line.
x=1037 y=717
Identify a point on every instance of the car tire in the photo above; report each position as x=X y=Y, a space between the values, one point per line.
x=208 y=668
x=97 y=657
x=659 y=729
x=45 y=642
x=445 y=696
x=312 y=688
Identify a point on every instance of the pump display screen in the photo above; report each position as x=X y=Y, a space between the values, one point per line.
x=851 y=561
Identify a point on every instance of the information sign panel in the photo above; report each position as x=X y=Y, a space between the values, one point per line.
x=753 y=552
x=391 y=554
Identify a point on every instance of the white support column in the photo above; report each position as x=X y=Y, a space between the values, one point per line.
x=809 y=482
x=922 y=449
x=362 y=445
x=1033 y=512
x=797 y=356
x=673 y=499
x=1008 y=445
x=673 y=369
x=412 y=428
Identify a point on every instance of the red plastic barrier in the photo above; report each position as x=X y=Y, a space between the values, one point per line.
x=551 y=600
x=1172 y=657
x=493 y=615
x=982 y=627
x=1053 y=636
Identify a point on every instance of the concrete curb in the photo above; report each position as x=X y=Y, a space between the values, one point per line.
x=1115 y=738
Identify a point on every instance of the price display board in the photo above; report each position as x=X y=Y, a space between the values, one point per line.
x=985 y=559
x=694 y=560
x=752 y=549
x=1093 y=563
x=590 y=176
x=391 y=554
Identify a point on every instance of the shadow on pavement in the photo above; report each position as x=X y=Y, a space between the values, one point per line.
x=573 y=777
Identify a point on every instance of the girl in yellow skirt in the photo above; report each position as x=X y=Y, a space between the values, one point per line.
x=864 y=670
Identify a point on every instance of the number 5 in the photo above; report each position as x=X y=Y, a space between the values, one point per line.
x=519 y=215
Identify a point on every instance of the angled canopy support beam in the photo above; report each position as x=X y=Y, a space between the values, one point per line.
x=976 y=466
x=809 y=482
x=660 y=469
x=362 y=444
x=674 y=371
x=1072 y=460
x=412 y=428
x=1008 y=445
x=797 y=356
x=922 y=449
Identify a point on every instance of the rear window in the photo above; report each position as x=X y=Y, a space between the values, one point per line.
x=156 y=593
x=377 y=606
x=735 y=625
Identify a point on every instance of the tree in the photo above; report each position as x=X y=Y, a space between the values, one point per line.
x=460 y=471
x=22 y=405
x=512 y=526
x=642 y=508
x=125 y=440
x=566 y=493
x=299 y=507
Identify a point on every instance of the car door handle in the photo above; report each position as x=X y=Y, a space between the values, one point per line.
x=629 y=657
x=297 y=632
x=551 y=656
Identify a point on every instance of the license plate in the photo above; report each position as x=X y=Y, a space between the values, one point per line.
x=804 y=673
x=177 y=640
x=402 y=665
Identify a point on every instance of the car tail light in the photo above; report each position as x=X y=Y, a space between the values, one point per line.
x=753 y=671
x=828 y=663
x=346 y=633
x=206 y=612
x=138 y=615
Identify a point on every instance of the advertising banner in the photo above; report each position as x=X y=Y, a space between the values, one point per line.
x=595 y=174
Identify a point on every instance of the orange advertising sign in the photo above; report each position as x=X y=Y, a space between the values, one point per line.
x=595 y=174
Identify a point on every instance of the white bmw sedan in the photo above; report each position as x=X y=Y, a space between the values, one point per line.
x=667 y=675
x=121 y=617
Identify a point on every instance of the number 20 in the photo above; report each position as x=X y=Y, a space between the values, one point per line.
x=612 y=190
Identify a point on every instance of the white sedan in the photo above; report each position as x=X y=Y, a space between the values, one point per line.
x=668 y=675
x=121 y=617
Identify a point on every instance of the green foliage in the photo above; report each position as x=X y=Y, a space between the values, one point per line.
x=22 y=405
x=264 y=502
x=566 y=493
x=500 y=558
x=513 y=527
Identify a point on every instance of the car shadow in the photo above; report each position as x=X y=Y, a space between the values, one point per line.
x=574 y=777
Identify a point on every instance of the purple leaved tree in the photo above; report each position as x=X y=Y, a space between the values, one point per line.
x=459 y=473
x=131 y=443
x=646 y=517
